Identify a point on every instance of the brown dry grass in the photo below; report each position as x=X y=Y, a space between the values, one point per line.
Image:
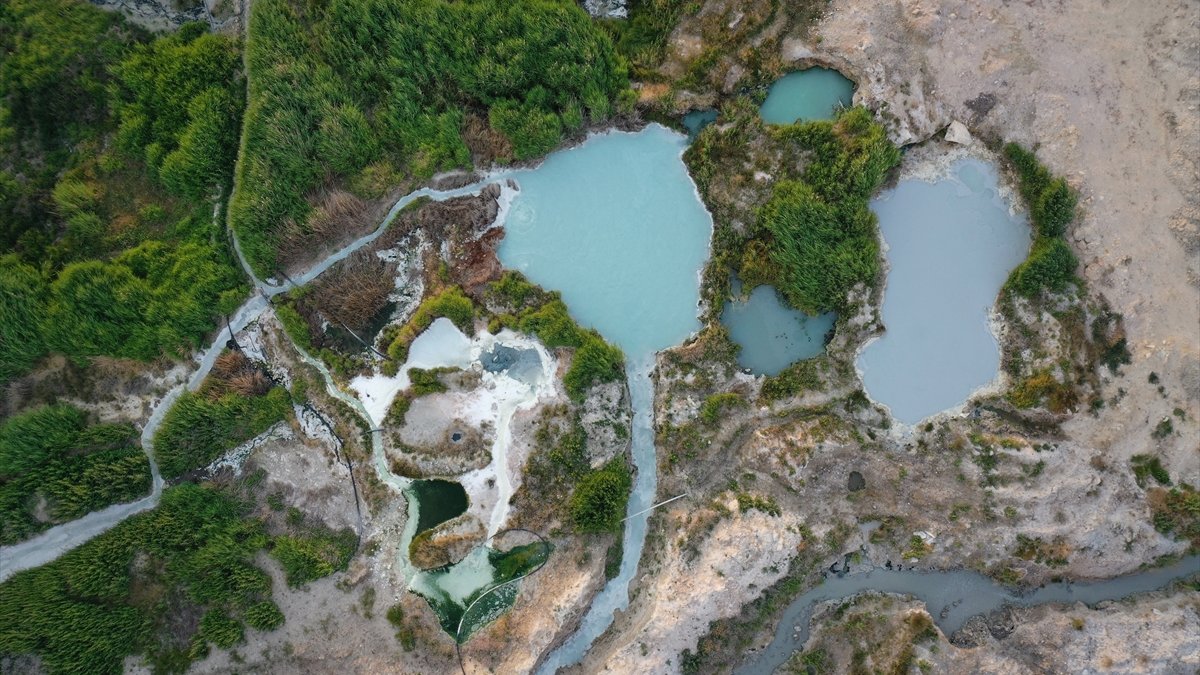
x=234 y=373
x=336 y=217
x=485 y=143
x=356 y=290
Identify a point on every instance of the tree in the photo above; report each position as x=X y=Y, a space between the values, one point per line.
x=598 y=504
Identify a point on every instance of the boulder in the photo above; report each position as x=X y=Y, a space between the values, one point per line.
x=957 y=133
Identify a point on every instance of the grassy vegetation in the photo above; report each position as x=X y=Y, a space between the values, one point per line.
x=642 y=37
x=1051 y=203
x=111 y=145
x=813 y=237
x=236 y=403
x=820 y=232
x=373 y=91
x=165 y=583
x=404 y=633
x=1043 y=388
x=598 y=503
x=543 y=314
x=451 y=303
x=317 y=553
x=710 y=410
x=1149 y=466
x=55 y=466
x=797 y=378
x=1177 y=512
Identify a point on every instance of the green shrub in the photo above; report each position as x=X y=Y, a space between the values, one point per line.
x=1054 y=209
x=424 y=382
x=53 y=453
x=149 y=300
x=450 y=303
x=181 y=95
x=1177 y=511
x=1049 y=267
x=92 y=607
x=822 y=235
x=1148 y=466
x=338 y=88
x=710 y=410
x=264 y=616
x=799 y=377
x=95 y=118
x=198 y=429
x=296 y=326
x=595 y=361
x=313 y=555
x=598 y=503
x=552 y=324
x=222 y=630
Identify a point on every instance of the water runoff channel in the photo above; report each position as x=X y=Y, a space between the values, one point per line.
x=616 y=226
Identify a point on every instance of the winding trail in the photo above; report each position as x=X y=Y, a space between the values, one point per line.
x=56 y=541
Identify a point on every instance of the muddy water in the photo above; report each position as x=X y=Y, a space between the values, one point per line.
x=950 y=245
x=951 y=598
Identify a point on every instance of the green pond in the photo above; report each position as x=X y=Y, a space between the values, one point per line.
x=805 y=95
x=440 y=500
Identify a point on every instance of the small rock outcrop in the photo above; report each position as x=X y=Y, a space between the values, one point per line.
x=957 y=133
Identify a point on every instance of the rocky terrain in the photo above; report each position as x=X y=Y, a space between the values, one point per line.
x=1021 y=497
x=889 y=632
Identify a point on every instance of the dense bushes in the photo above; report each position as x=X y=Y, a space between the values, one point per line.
x=179 y=106
x=22 y=306
x=1050 y=267
x=1177 y=512
x=451 y=303
x=1051 y=203
x=355 y=87
x=80 y=614
x=598 y=503
x=200 y=426
x=151 y=299
x=818 y=229
x=317 y=554
x=111 y=146
x=53 y=454
x=165 y=583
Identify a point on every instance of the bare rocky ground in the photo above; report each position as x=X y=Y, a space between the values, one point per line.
x=1109 y=97
x=896 y=634
x=221 y=15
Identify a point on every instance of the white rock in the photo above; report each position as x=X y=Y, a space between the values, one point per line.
x=957 y=133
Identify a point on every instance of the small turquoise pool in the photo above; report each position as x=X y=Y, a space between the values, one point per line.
x=805 y=95
x=697 y=120
x=771 y=334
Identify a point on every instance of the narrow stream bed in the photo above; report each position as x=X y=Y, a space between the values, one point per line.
x=951 y=598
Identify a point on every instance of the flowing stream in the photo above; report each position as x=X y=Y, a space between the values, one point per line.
x=951 y=597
